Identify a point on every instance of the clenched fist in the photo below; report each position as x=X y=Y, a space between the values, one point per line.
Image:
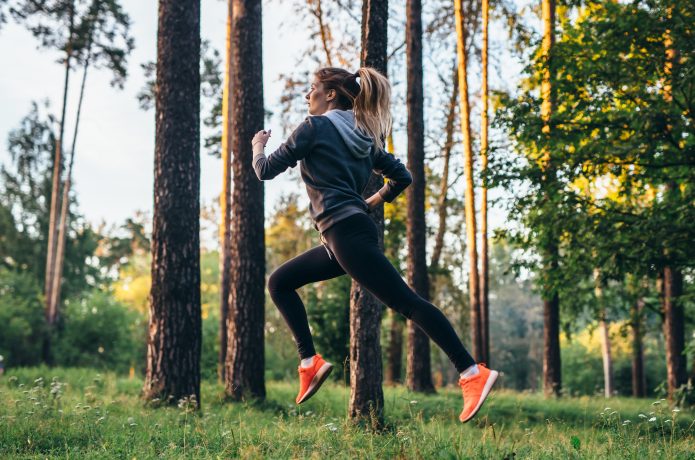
x=261 y=137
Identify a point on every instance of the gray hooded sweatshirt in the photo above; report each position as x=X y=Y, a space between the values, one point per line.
x=336 y=161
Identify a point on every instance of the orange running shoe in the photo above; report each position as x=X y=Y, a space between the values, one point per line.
x=475 y=390
x=311 y=378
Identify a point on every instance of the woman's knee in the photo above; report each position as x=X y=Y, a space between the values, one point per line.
x=277 y=281
x=412 y=306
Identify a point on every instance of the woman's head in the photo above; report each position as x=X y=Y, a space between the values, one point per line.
x=335 y=88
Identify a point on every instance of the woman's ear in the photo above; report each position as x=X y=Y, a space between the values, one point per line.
x=330 y=95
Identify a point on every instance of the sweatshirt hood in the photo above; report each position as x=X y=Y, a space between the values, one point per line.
x=358 y=143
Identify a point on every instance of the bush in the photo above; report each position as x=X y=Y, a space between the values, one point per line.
x=97 y=331
x=21 y=318
x=582 y=370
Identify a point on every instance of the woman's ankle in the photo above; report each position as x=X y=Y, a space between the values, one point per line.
x=307 y=362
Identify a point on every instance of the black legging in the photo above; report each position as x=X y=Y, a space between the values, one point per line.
x=353 y=242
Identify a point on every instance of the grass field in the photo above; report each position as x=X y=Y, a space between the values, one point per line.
x=80 y=413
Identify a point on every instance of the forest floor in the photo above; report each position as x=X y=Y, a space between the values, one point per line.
x=81 y=413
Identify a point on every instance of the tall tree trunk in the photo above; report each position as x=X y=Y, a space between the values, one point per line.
x=608 y=385
x=552 y=382
x=65 y=201
x=366 y=373
x=418 y=372
x=605 y=337
x=444 y=185
x=245 y=363
x=394 y=352
x=473 y=279
x=639 y=382
x=448 y=372
x=484 y=275
x=226 y=195
x=174 y=342
x=672 y=287
x=674 y=329
x=51 y=309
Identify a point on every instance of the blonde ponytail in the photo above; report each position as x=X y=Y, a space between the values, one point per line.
x=373 y=105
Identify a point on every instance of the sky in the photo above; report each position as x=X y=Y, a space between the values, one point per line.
x=114 y=163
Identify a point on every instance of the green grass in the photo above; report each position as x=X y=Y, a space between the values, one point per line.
x=78 y=413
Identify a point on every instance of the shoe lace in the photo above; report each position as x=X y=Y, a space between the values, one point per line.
x=465 y=383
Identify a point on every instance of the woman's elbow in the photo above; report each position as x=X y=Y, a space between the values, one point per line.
x=263 y=175
x=408 y=179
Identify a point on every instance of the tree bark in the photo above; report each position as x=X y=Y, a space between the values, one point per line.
x=674 y=329
x=366 y=373
x=174 y=341
x=473 y=278
x=245 y=363
x=418 y=372
x=226 y=195
x=484 y=275
x=639 y=382
x=552 y=383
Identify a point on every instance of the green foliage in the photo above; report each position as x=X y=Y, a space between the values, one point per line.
x=25 y=188
x=94 y=330
x=615 y=193
x=97 y=331
x=582 y=371
x=21 y=318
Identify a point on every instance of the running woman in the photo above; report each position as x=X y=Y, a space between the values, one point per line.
x=338 y=146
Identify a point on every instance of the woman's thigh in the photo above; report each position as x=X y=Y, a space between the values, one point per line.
x=355 y=245
x=308 y=267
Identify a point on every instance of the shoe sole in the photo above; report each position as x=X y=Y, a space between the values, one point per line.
x=492 y=378
x=317 y=381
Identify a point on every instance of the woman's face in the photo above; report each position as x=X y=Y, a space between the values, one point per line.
x=319 y=100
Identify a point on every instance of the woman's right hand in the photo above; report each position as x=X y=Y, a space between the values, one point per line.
x=261 y=138
x=374 y=201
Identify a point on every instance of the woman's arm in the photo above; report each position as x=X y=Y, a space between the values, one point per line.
x=397 y=174
x=297 y=146
x=374 y=201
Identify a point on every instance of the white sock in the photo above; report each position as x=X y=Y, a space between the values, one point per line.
x=471 y=371
x=307 y=362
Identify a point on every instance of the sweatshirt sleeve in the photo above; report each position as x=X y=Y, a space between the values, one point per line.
x=397 y=174
x=297 y=146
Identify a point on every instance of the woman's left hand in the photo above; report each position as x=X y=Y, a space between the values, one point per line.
x=261 y=137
